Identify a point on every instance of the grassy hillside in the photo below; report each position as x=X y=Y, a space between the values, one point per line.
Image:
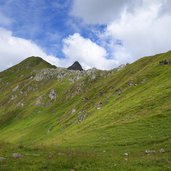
x=90 y=120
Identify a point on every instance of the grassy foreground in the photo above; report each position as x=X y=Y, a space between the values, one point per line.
x=45 y=158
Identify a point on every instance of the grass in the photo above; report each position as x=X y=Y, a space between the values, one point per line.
x=52 y=137
x=50 y=158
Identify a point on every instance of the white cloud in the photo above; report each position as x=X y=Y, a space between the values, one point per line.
x=14 y=49
x=144 y=32
x=142 y=26
x=87 y=52
x=98 y=11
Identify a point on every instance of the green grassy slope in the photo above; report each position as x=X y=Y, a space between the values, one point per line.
x=92 y=122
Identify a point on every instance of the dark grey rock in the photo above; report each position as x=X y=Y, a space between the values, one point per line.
x=82 y=116
x=76 y=66
x=52 y=94
x=99 y=105
x=119 y=91
x=17 y=155
x=165 y=62
x=101 y=93
x=130 y=83
x=85 y=99
x=30 y=88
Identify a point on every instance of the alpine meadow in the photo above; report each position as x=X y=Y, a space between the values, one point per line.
x=60 y=119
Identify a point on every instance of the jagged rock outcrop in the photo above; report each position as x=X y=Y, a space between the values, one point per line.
x=2 y=159
x=72 y=75
x=58 y=73
x=165 y=62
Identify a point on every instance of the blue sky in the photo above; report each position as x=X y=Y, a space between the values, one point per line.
x=98 y=33
x=43 y=21
x=46 y=22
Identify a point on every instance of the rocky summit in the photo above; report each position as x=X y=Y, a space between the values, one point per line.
x=54 y=118
x=76 y=66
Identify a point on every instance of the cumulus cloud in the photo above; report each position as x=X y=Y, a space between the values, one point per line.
x=87 y=52
x=14 y=49
x=142 y=26
x=144 y=32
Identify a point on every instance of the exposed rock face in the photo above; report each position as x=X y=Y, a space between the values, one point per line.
x=131 y=83
x=76 y=66
x=81 y=116
x=13 y=97
x=121 y=67
x=17 y=155
x=39 y=101
x=2 y=159
x=119 y=91
x=58 y=73
x=72 y=75
x=73 y=111
x=92 y=73
x=46 y=74
x=150 y=151
x=15 y=88
x=30 y=88
x=99 y=106
x=165 y=62
x=162 y=150
x=52 y=95
x=20 y=104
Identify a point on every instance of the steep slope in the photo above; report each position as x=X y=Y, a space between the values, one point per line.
x=125 y=110
x=24 y=69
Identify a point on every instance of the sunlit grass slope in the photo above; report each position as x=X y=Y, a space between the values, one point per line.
x=92 y=121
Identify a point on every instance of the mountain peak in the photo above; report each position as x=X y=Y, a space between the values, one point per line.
x=76 y=66
x=33 y=62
